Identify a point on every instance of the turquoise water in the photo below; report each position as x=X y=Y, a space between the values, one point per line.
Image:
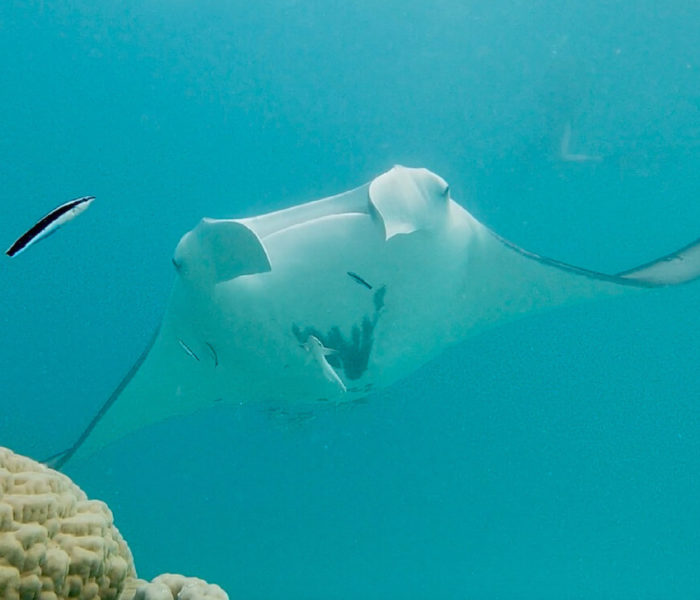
x=556 y=457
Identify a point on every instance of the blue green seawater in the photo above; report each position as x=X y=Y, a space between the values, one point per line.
x=556 y=457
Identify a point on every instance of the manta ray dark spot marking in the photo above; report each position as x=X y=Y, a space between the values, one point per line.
x=352 y=352
x=358 y=279
x=379 y=299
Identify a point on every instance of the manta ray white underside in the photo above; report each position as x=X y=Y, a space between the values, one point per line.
x=330 y=300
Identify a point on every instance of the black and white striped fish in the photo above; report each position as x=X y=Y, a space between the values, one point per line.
x=50 y=223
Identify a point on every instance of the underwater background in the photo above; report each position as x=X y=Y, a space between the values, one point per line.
x=554 y=457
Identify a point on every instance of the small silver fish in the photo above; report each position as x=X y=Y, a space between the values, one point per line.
x=187 y=349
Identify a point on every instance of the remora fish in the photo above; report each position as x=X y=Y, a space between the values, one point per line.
x=50 y=223
x=319 y=352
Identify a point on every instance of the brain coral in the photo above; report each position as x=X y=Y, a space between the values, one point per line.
x=174 y=587
x=54 y=542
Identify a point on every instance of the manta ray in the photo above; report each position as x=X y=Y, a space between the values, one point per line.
x=330 y=300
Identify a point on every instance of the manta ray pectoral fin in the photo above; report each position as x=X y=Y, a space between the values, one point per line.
x=681 y=266
x=518 y=282
x=57 y=460
x=678 y=267
x=409 y=200
x=219 y=250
